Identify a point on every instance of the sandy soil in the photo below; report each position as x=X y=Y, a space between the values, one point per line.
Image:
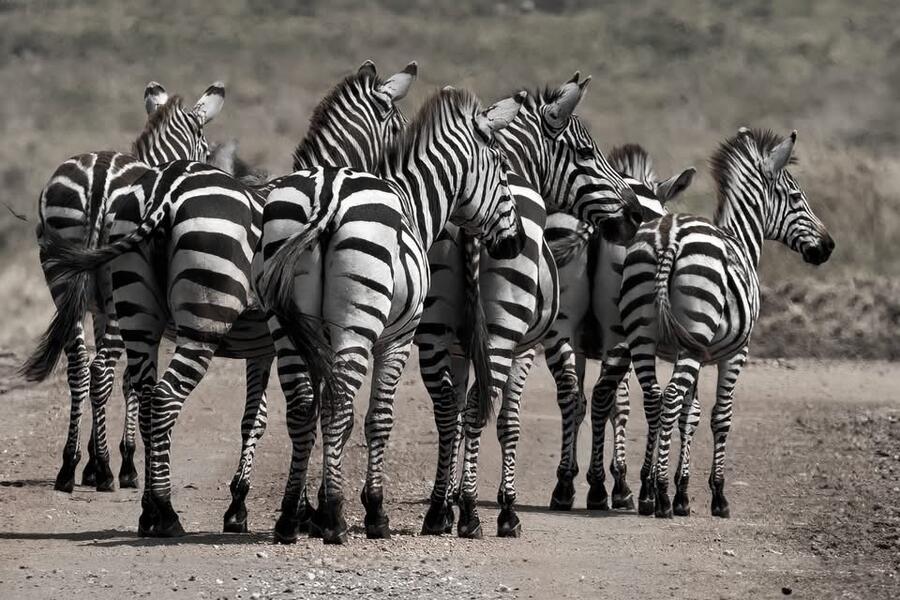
x=813 y=481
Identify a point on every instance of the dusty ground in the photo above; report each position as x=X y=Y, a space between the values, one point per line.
x=813 y=480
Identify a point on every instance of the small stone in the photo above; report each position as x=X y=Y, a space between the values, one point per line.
x=255 y=595
x=728 y=553
x=503 y=588
x=192 y=578
x=787 y=591
x=310 y=575
x=219 y=582
x=581 y=578
x=262 y=555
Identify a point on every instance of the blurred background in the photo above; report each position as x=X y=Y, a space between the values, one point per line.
x=676 y=76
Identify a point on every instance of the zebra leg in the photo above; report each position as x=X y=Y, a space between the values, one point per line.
x=622 y=497
x=645 y=369
x=102 y=377
x=352 y=359
x=142 y=371
x=128 y=476
x=302 y=418
x=683 y=379
x=508 y=427
x=387 y=370
x=562 y=363
x=720 y=421
x=253 y=426
x=603 y=406
x=78 y=376
x=189 y=363
x=441 y=373
x=687 y=425
x=469 y=524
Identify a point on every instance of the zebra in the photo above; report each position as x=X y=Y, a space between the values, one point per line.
x=518 y=297
x=690 y=294
x=210 y=225
x=589 y=325
x=70 y=205
x=359 y=271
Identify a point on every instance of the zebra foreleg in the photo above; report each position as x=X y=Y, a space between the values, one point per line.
x=508 y=427
x=683 y=379
x=103 y=371
x=302 y=418
x=720 y=421
x=253 y=426
x=604 y=407
x=687 y=425
x=187 y=367
x=128 y=476
x=570 y=399
x=387 y=369
x=78 y=377
x=441 y=373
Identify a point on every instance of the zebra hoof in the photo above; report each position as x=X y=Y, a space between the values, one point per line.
x=170 y=529
x=469 y=525
x=149 y=517
x=439 y=519
x=681 y=505
x=663 y=508
x=597 y=498
x=65 y=479
x=376 y=520
x=331 y=521
x=647 y=498
x=168 y=525
x=128 y=480
x=563 y=495
x=720 y=508
x=508 y=524
x=287 y=530
x=235 y=521
x=89 y=475
x=623 y=502
x=104 y=478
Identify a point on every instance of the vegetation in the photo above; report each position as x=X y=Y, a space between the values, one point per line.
x=676 y=76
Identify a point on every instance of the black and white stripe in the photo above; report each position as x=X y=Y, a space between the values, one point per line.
x=509 y=303
x=345 y=276
x=71 y=206
x=690 y=293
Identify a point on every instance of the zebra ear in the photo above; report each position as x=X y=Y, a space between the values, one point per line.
x=367 y=68
x=397 y=86
x=779 y=156
x=557 y=113
x=671 y=187
x=210 y=103
x=155 y=95
x=499 y=115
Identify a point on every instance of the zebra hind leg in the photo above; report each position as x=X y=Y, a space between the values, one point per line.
x=603 y=400
x=690 y=417
x=78 y=377
x=622 y=497
x=720 y=421
x=253 y=426
x=102 y=377
x=508 y=428
x=570 y=399
x=645 y=369
x=128 y=475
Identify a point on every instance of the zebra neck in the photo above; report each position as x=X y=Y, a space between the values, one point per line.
x=742 y=218
x=522 y=143
x=424 y=186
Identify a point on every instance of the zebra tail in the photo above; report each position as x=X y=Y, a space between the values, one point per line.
x=670 y=331
x=476 y=333
x=276 y=290
x=570 y=244
x=69 y=313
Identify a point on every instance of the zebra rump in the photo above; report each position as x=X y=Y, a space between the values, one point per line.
x=670 y=332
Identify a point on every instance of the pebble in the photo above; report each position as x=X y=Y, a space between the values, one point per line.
x=503 y=588
x=728 y=553
x=262 y=555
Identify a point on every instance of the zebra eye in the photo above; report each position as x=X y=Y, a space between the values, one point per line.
x=795 y=196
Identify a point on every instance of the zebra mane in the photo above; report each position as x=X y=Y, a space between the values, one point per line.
x=156 y=120
x=631 y=160
x=751 y=146
x=462 y=102
x=322 y=113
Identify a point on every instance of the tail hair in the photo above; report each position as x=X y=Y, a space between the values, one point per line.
x=566 y=246
x=475 y=335
x=276 y=289
x=71 y=308
x=669 y=331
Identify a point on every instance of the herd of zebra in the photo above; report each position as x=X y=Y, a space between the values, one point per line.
x=475 y=233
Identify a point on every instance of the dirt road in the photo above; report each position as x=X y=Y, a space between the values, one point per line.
x=813 y=481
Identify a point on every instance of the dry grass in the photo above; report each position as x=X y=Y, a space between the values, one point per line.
x=675 y=76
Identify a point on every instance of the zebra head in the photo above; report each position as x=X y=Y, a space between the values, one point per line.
x=484 y=205
x=356 y=121
x=788 y=217
x=634 y=164
x=172 y=132
x=580 y=180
